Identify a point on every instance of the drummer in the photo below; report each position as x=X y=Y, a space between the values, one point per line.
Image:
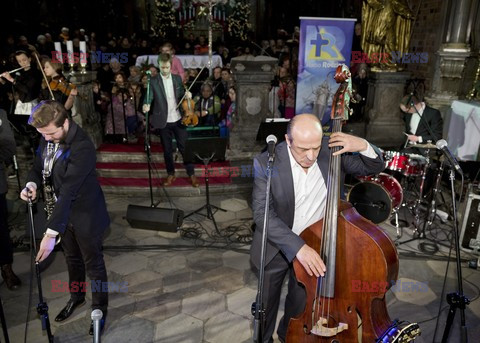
x=422 y=123
x=423 y=127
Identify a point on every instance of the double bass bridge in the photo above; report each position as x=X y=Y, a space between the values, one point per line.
x=320 y=328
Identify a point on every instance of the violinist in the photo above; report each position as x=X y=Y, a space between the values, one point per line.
x=26 y=83
x=166 y=91
x=63 y=91
x=124 y=114
x=298 y=199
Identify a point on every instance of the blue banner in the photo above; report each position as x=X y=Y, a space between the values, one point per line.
x=324 y=44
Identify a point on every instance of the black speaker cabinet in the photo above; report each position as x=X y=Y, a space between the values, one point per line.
x=470 y=234
x=153 y=218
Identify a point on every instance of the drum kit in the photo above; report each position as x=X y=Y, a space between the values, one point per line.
x=378 y=197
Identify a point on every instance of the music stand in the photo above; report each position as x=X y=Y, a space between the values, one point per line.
x=277 y=127
x=206 y=150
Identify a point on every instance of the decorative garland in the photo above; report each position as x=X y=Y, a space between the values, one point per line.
x=165 y=21
x=239 y=21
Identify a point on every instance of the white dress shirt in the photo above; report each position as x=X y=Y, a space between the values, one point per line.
x=311 y=192
x=173 y=114
x=415 y=120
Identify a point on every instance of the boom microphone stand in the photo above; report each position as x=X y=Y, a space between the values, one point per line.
x=42 y=307
x=456 y=300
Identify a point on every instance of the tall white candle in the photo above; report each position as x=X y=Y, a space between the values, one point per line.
x=70 y=51
x=58 y=52
x=83 y=52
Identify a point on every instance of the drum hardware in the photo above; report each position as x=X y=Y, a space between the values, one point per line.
x=430 y=213
x=427 y=145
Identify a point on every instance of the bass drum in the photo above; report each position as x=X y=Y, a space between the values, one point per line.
x=376 y=197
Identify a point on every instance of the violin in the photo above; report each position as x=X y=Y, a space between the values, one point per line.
x=62 y=86
x=189 y=116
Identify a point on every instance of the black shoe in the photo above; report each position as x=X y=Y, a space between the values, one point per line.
x=68 y=309
x=12 y=281
x=102 y=324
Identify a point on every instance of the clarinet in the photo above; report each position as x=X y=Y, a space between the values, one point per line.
x=49 y=197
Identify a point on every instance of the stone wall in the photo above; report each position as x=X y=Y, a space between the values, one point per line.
x=426 y=37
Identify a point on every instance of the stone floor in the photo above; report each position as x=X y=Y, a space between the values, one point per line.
x=196 y=285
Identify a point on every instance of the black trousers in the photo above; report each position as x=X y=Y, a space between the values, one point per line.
x=275 y=273
x=84 y=254
x=167 y=134
x=6 y=250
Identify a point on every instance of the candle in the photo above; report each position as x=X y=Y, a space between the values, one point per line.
x=58 y=52
x=83 y=52
x=70 y=51
x=223 y=15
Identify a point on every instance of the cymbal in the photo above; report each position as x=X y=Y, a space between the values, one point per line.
x=423 y=146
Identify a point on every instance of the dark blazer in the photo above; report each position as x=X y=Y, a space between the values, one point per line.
x=80 y=199
x=433 y=118
x=282 y=202
x=7 y=148
x=158 y=99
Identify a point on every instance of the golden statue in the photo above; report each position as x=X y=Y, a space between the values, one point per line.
x=386 y=28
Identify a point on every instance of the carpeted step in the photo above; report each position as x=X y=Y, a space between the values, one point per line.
x=132 y=170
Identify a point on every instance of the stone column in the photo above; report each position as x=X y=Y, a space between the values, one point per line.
x=83 y=111
x=385 y=90
x=454 y=56
x=252 y=81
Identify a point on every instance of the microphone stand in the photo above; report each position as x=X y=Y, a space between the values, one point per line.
x=42 y=307
x=456 y=300
x=4 y=323
x=148 y=146
x=258 y=310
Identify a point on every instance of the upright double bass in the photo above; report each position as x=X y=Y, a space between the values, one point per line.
x=356 y=252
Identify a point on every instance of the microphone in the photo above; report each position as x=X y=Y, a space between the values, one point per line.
x=442 y=145
x=271 y=141
x=96 y=317
x=148 y=72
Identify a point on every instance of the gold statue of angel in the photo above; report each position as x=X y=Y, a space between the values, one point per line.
x=386 y=29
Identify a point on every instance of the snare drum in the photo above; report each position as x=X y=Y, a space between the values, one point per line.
x=376 y=197
x=396 y=161
x=415 y=166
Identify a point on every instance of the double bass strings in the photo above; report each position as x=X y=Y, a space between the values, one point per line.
x=327 y=238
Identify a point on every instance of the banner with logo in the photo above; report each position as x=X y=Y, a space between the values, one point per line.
x=324 y=44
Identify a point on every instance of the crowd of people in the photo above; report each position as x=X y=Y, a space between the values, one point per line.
x=120 y=86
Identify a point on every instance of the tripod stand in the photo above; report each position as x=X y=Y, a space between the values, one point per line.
x=199 y=148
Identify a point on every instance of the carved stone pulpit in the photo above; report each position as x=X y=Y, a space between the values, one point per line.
x=253 y=78
x=83 y=111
